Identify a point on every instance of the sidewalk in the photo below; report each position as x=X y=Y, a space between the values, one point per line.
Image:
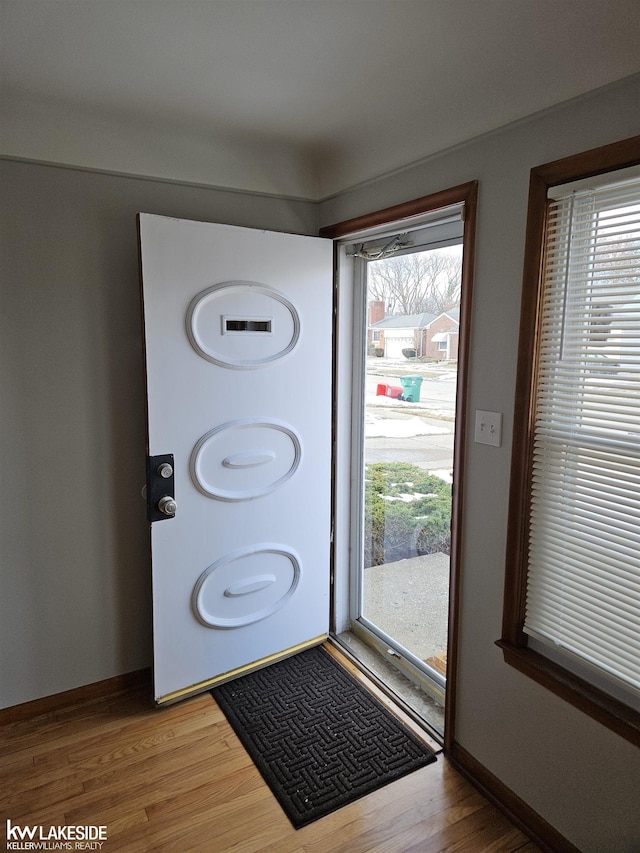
x=409 y=601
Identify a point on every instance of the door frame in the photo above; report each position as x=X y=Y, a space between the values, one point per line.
x=394 y=217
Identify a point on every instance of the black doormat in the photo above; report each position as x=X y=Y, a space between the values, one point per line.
x=319 y=739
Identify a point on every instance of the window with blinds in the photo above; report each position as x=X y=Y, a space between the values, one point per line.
x=571 y=616
x=583 y=573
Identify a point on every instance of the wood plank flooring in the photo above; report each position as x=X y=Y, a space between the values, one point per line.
x=178 y=779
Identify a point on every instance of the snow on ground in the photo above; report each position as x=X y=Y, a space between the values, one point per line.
x=430 y=409
x=399 y=428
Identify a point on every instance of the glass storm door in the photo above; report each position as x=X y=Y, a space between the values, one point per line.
x=407 y=290
x=409 y=418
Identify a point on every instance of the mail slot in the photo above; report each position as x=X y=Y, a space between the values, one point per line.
x=251 y=325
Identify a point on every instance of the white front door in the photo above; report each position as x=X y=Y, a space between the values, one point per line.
x=238 y=326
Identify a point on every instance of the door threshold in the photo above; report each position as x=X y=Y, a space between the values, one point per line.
x=419 y=708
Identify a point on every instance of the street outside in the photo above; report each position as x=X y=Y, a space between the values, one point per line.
x=419 y=433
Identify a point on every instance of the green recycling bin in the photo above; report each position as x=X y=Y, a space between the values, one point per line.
x=411 y=388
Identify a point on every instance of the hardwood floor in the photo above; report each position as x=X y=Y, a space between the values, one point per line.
x=178 y=779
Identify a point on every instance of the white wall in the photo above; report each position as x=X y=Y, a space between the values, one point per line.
x=579 y=776
x=41 y=129
x=74 y=553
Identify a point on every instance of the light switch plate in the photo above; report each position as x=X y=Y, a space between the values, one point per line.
x=488 y=428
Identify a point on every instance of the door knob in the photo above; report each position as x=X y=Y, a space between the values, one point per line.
x=167 y=505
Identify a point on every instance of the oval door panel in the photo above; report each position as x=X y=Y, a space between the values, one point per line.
x=244 y=459
x=242 y=324
x=245 y=586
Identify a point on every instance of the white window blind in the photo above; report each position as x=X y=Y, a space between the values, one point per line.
x=583 y=582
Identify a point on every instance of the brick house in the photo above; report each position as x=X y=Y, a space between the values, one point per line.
x=431 y=335
x=440 y=337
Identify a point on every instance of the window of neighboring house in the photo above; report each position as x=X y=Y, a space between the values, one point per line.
x=572 y=591
x=442 y=345
x=376 y=337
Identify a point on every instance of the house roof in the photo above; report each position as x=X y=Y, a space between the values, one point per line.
x=405 y=321
x=454 y=313
x=417 y=321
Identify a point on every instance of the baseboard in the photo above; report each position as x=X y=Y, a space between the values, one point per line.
x=521 y=814
x=99 y=690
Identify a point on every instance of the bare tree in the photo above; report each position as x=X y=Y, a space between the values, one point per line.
x=416 y=283
x=448 y=296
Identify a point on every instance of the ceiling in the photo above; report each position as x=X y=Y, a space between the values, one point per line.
x=335 y=91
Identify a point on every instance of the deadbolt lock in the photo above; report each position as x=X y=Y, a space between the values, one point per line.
x=161 y=502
